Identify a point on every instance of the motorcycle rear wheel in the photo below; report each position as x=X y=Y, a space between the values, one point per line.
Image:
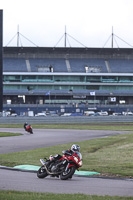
x=41 y=173
x=68 y=174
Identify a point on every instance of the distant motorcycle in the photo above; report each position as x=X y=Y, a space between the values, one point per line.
x=28 y=128
x=64 y=167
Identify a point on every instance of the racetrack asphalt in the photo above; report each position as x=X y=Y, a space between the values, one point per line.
x=26 y=181
x=48 y=137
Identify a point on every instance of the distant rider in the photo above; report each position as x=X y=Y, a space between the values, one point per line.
x=27 y=126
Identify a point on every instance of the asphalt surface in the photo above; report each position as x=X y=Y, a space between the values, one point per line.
x=28 y=181
x=48 y=137
x=24 y=181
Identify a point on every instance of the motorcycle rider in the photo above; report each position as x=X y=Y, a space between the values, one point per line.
x=26 y=126
x=74 y=148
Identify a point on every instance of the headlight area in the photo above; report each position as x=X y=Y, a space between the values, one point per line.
x=80 y=163
x=76 y=159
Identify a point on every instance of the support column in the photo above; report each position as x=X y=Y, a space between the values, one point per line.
x=1 y=60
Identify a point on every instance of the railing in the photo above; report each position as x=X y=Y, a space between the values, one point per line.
x=65 y=105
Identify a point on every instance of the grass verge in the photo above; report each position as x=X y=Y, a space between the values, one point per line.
x=82 y=126
x=6 y=134
x=108 y=156
x=14 y=195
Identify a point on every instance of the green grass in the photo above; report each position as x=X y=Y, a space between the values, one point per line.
x=11 y=125
x=82 y=126
x=14 y=195
x=110 y=155
x=6 y=134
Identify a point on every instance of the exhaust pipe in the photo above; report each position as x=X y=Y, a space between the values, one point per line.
x=44 y=164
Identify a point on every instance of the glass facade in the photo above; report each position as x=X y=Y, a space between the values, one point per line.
x=59 y=82
x=34 y=87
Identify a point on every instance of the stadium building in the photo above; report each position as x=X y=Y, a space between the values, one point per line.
x=67 y=79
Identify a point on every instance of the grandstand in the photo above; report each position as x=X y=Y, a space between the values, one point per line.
x=73 y=77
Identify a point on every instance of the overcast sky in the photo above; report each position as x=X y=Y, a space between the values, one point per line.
x=88 y=21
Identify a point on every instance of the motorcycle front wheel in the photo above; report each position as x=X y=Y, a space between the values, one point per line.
x=41 y=173
x=31 y=131
x=67 y=174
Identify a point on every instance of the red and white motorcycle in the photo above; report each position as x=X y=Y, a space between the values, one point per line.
x=63 y=166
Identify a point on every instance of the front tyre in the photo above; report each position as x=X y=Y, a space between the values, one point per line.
x=41 y=173
x=31 y=131
x=67 y=174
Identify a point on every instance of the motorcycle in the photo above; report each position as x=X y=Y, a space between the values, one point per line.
x=64 y=167
x=28 y=128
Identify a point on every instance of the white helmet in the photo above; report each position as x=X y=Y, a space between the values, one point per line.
x=75 y=147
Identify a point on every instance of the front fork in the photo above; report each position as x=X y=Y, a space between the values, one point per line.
x=67 y=167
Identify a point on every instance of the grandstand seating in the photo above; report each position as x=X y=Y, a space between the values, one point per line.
x=14 y=65
x=58 y=64
x=78 y=65
x=121 y=65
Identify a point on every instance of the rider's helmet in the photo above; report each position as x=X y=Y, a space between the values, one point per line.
x=75 y=147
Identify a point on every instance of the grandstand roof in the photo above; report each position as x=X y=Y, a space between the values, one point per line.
x=22 y=51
